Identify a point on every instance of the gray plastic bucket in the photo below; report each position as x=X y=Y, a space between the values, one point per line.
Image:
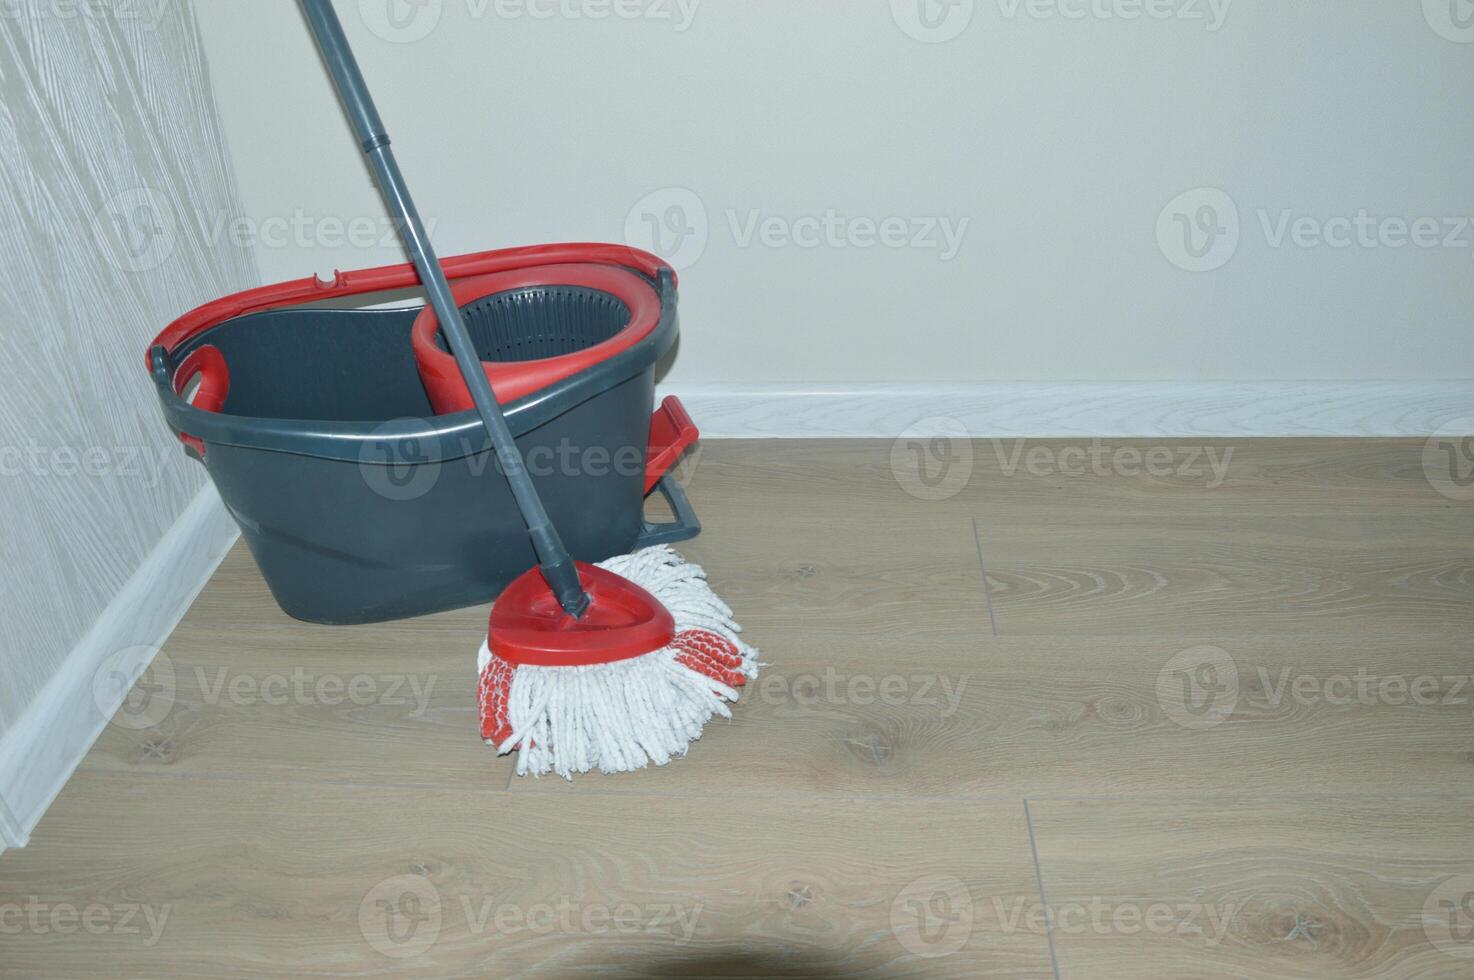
x=360 y=505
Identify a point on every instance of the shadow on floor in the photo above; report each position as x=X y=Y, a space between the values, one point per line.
x=737 y=962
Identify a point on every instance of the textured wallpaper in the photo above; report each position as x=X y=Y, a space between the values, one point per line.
x=114 y=190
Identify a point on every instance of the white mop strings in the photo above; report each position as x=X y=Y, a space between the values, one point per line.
x=622 y=716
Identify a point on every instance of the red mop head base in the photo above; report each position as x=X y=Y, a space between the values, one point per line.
x=630 y=684
x=528 y=626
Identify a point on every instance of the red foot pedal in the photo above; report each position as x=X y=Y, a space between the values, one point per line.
x=671 y=433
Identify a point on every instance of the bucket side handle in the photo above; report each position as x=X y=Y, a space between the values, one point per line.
x=683 y=528
x=206 y=363
x=671 y=432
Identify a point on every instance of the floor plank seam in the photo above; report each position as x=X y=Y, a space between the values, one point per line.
x=977 y=537
x=1466 y=798
x=1043 y=898
x=264 y=779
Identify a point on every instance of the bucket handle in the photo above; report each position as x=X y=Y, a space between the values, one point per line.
x=671 y=433
x=684 y=527
x=357 y=282
x=209 y=364
x=445 y=437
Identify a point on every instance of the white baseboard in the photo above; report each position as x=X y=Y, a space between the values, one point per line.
x=1045 y=409
x=47 y=743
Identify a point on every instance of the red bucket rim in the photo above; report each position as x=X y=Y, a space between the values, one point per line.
x=511 y=380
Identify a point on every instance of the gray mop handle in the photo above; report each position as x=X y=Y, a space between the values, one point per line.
x=557 y=567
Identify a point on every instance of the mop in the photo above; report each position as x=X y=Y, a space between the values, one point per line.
x=613 y=666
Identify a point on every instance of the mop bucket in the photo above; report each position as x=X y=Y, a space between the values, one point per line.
x=344 y=443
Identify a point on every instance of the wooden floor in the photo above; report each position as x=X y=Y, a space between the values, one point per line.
x=1016 y=722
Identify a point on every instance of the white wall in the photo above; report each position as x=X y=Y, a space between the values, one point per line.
x=1060 y=141
x=108 y=137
